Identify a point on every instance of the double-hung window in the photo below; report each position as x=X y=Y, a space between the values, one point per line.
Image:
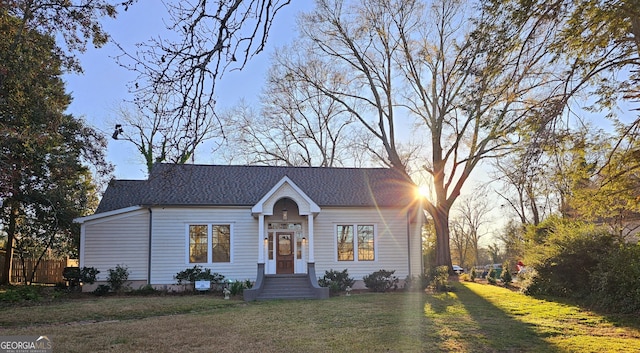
x=355 y=242
x=208 y=243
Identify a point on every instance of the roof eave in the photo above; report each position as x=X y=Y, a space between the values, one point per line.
x=95 y=216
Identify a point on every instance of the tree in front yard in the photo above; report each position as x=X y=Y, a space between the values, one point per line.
x=44 y=183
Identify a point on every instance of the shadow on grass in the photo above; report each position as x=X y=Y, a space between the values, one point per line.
x=616 y=319
x=465 y=322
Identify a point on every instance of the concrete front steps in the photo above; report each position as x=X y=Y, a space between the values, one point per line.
x=291 y=286
x=286 y=287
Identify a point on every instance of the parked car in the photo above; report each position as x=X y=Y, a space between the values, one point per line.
x=457 y=269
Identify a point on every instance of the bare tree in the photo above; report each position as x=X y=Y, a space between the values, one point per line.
x=525 y=184
x=472 y=214
x=471 y=79
x=512 y=236
x=212 y=38
x=159 y=136
x=297 y=125
x=460 y=241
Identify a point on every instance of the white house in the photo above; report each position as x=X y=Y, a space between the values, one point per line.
x=256 y=222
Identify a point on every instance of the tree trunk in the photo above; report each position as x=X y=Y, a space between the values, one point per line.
x=443 y=250
x=11 y=230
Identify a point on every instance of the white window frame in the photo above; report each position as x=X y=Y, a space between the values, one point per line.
x=355 y=242
x=209 y=242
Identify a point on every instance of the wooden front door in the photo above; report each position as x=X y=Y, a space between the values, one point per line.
x=284 y=252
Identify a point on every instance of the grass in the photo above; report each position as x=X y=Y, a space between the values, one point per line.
x=475 y=318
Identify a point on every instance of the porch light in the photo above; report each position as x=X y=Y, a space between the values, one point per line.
x=284 y=214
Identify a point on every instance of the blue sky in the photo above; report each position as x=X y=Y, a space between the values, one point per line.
x=103 y=86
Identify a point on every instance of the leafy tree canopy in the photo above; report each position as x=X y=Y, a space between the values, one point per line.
x=45 y=183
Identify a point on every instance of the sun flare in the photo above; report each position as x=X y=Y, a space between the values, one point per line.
x=423 y=191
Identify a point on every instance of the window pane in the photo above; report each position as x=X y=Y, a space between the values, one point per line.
x=345 y=243
x=221 y=243
x=365 y=243
x=198 y=243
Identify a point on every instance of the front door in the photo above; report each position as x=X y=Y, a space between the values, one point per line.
x=284 y=252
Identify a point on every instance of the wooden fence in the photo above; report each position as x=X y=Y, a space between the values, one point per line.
x=48 y=271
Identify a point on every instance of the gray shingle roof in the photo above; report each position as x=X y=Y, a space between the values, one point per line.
x=190 y=184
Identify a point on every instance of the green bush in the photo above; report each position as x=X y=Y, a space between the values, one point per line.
x=101 y=290
x=117 y=278
x=416 y=282
x=474 y=274
x=615 y=283
x=492 y=276
x=585 y=263
x=563 y=256
x=21 y=293
x=238 y=287
x=505 y=276
x=147 y=289
x=440 y=279
x=196 y=273
x=381 y=281
x=337 y=281
x=88 y=275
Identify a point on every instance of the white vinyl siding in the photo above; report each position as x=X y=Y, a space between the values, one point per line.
x=117 y=240
x=391 y=243
x=170 y=250
x=123 y=240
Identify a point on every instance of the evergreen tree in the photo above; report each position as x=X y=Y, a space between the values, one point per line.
x=44 y=183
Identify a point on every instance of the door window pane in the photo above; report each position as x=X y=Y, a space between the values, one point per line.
x=284 y=245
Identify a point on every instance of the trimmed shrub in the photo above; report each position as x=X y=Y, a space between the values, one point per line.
x=88 y=275
x=381 y=281
x=117 y=278
x=474 y=274
x=337 y=281
x=238 y=287
x=196 y=273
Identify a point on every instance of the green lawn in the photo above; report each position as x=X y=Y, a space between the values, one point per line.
x=475 y=318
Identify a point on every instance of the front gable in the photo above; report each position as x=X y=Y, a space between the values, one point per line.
x=285 y=188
